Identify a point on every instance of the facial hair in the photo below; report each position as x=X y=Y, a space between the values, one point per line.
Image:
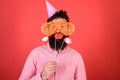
x=57 y=44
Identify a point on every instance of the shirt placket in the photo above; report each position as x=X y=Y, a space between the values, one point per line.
x=57 y=53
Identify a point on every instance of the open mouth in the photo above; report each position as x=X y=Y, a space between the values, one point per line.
x=58 y=35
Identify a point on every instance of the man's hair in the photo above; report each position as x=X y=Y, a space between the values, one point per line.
x=59 y=14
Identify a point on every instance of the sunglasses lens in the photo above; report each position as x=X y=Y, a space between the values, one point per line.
x=48 y=29
x=67 y=28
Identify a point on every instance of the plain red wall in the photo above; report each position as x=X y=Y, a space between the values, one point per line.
x=96 y=36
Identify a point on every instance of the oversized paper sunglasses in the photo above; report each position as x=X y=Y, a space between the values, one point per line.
x=50 y=28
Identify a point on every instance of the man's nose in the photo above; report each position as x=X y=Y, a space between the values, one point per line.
x=58 y=29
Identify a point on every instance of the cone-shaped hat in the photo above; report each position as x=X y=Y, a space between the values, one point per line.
x=50 y=9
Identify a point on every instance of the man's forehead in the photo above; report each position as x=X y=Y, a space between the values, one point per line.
x=59 y=20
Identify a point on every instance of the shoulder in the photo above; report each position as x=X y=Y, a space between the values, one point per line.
x=75 y=53
x=37 y=50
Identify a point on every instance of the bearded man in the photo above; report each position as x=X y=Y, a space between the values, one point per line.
x=55 y=60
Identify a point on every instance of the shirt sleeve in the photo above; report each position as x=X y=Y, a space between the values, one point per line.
x=29 y=70
x=80 y=71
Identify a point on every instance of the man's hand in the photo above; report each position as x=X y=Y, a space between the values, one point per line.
x=48 y=69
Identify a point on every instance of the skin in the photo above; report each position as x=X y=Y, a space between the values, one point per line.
x=50 y=67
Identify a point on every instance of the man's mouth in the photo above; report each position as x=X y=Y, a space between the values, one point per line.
x=58 y=35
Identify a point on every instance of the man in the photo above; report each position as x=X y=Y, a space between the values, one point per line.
x=55 y=60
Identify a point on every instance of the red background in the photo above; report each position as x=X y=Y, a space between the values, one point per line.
x=96 y=36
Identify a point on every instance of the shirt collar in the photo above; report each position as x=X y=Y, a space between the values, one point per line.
x=52 y=50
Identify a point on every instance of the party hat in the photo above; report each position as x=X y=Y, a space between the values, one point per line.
x=50 y=9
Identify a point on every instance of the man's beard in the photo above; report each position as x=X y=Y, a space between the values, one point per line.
x=57 y=44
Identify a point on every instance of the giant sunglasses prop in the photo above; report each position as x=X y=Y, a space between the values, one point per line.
x=65 y=28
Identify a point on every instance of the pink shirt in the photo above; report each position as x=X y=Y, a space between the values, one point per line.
x=70 y=65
